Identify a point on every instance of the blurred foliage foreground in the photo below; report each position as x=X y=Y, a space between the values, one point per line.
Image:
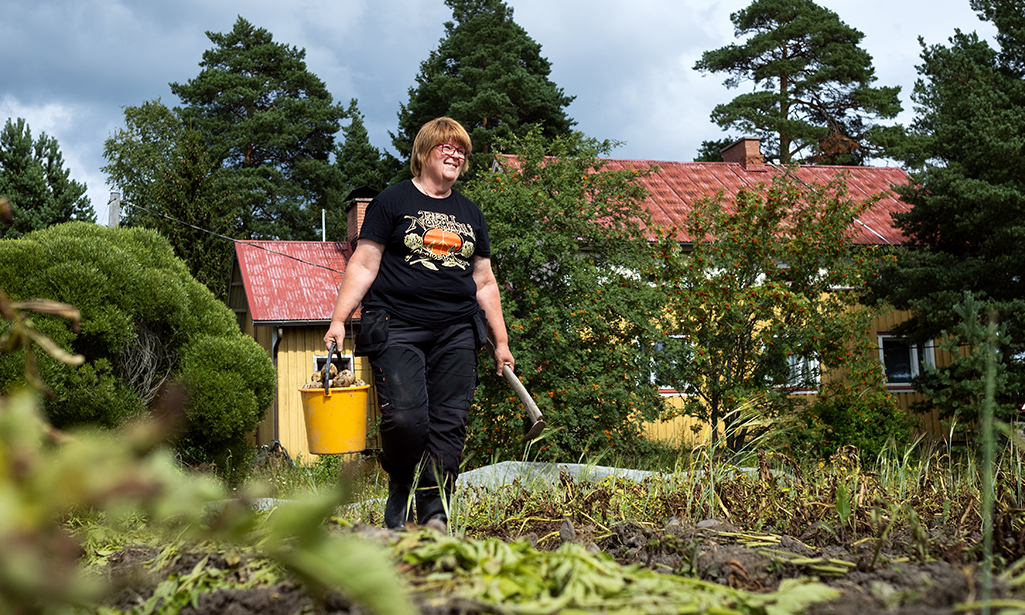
x=70 y=503
x=54 y=561
x=58 y=490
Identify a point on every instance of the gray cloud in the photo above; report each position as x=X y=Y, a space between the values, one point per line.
x=70 y=66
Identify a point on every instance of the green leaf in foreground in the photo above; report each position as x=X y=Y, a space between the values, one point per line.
x=574 y=580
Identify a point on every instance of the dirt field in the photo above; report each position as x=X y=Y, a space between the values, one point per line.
x=874 y=576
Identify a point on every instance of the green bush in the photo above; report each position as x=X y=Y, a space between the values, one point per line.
x=230 y=384
x=146 y=323
x=566 y=235
x=866 y=422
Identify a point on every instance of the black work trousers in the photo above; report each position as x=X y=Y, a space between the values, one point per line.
x=425 y=380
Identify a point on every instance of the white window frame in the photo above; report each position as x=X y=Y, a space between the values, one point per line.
x=344 y=361
x=799 y=364
x=665 y=391
x=919 y=355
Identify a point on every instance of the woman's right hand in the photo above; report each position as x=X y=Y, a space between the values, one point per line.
x=336 y=334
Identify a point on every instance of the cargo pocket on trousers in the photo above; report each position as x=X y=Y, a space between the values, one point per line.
x=373 y=333
x=480 y=329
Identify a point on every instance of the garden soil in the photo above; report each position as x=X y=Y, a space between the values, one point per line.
x=875 y=576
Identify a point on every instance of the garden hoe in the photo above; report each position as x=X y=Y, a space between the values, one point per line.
x=521 y=392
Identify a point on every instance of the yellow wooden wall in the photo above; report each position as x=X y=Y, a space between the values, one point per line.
x=688 y=431
x=678 y=432
x=295 y=364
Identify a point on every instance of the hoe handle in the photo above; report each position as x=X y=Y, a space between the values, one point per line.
x=517 y=386
x=521 y=392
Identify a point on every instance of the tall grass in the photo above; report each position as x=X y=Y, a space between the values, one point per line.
x=931 y=492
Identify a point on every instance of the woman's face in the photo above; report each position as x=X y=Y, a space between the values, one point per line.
x=445 y=162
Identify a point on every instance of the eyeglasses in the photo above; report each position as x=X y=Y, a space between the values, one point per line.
x=451 y=150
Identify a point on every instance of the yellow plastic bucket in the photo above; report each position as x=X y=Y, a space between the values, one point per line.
x=336 y=423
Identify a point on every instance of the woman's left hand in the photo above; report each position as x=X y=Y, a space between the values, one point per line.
x=503 y=357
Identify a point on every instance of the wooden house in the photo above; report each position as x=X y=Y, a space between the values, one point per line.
x=283 y=292
x=677 y=185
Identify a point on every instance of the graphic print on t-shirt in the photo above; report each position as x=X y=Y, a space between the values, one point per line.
x=435 y=238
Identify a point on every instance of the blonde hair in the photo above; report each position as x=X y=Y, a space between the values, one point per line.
x=434 y=133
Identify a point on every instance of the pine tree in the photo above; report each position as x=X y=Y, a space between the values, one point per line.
x=813 y=97
x=36 y=184
x=489 y=75
x=271 y=123
x=967 y=221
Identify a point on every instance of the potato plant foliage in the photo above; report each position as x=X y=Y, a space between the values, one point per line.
x=145 y=324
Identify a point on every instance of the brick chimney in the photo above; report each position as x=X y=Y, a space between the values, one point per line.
x=356 y=210
x=748 y=152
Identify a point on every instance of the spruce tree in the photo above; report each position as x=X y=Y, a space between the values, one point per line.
x=711 y=151
x=967 y=221
x=489 y=75
x=36 y=184
x=813 y=97
x=271 y=123
x=360 y=163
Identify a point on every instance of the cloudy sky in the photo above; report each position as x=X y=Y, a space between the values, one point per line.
x=69 y=66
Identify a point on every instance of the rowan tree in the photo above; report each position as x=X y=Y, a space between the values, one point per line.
x=762 y=300
x=196 y=213
x=136 y=152
x=567 y=242
x=813 y=97
x=38 y=187
x=489 y=75
x=967 y=221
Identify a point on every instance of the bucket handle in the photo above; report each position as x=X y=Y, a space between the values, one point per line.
x=327 y=368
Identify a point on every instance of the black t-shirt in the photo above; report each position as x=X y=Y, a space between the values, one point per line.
x=426 y=273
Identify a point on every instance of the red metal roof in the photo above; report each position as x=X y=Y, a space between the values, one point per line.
x=291 y=281
x=677 y=185
x=297 y=281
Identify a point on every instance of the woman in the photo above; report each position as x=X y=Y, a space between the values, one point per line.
x=422 y=270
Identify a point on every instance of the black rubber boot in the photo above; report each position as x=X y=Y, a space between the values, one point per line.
x=430 y=504
x=396 y=509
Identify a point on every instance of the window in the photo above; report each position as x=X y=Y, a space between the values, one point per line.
x=341 y=362
x=902 y=361
x=788 y=370
x=803 y=374
x=665 y=359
